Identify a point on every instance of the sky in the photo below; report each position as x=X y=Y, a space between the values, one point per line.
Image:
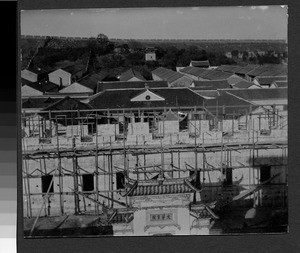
x=247 y=22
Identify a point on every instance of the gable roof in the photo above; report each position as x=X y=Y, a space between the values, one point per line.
x=268 y=80
x=212 y=85
x=229 y=68
x=65 y=104
x=130 y=85
x=43 y=86
x=130 y=73
x=228 y=102
x=174 y=97
x=91 y=80
x=76 y=88
x=244 y=70
x=194 y=71
x=167 y=74
x=260 y=94
x=201 y=64
x=268 y=70
x=147 y=95
x=244 y=85
x=281 y=84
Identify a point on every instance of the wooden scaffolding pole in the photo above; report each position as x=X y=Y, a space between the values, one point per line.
x=27 y=182
x=75 y=180
x=60 y=184
x=96 y=168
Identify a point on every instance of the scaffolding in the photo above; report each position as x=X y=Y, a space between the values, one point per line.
x=70 y=136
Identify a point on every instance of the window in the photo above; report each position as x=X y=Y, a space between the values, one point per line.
x=265 y=173
x=120 y=180
x=87 y=182
x=46 y=181
x=228 y=176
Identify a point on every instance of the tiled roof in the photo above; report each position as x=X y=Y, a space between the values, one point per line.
x=130 y=73
x=25 y=81
x=92 y=80
x=43 y=86
x=157 y=188
x=200 y=64
x=260 y=94
x=244 y=85
x=208 y=93
x=230 y=103
x=76 y=88
x=268 y=70
x=229 y=68
x=130 y=85
x=212 y=85
x=244 y=70
x=268 y=80
x=174 y=97
x=193 y=71
x=217 y=75
x=67 y=103
x=38 y=103
x=281 y=84
x=167 y=74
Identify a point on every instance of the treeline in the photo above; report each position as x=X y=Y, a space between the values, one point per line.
x=115 y=58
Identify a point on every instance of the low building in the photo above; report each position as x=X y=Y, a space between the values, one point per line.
x=131 y=75
x=38 y=88
x=173 y=78
x=130 y=85
x=211 y=85
x=266 y=81
x=200 y=64
x=67 y=75
x=279 y=84
x=246 y=85
x=77 y=88
x=202 y=74
x=150 y=54
x=34 y=74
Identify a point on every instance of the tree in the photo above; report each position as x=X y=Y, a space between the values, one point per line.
x=102 y=39
x=235 y=53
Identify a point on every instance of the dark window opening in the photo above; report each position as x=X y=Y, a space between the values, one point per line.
x=46 y=181
x=120 y=180
x=183 y=124
x=91 y=128
x=87 y=182
x=228 y=176
x=265 y=173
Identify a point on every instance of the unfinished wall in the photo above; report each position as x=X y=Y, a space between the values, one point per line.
x=168 y=127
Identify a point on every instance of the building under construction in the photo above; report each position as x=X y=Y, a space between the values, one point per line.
x=161 y=161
